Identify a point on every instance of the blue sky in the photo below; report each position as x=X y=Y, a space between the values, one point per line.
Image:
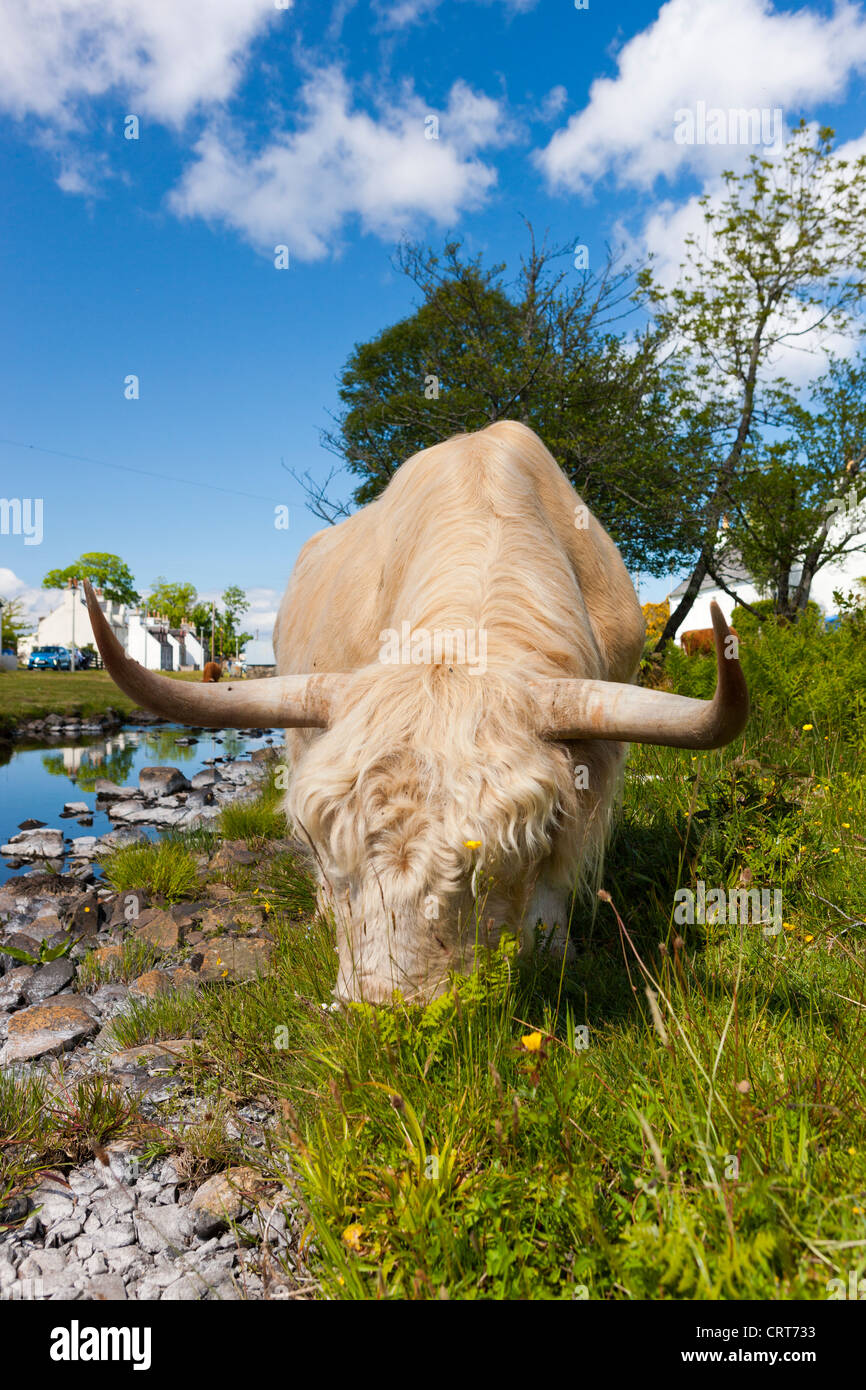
x=305 y=126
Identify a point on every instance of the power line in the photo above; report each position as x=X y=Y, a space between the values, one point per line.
x=145 y=472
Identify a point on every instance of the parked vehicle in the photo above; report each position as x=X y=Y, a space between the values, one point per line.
x=50 y=658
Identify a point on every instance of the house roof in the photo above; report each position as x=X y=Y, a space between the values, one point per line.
x=732 y=570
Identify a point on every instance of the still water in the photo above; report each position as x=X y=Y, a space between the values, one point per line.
x=36 y=779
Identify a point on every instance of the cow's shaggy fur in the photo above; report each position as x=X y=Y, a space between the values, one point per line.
x=478 y=533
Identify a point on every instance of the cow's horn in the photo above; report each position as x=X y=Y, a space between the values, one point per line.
x=577 y=709
x=284 y=702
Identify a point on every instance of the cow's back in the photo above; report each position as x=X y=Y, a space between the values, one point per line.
x=481 y=532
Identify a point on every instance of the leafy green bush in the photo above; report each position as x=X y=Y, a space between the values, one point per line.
x=797 y=673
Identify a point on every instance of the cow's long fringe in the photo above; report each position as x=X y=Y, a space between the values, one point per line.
x=428 y=762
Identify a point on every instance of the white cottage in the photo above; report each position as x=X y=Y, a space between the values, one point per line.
x=843 y=573
x=145 y=636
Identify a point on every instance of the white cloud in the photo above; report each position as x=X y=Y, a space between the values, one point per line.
x=740 y=54
x=36 y=602
x=340 y=162
x=553 y=103
x=164 y=57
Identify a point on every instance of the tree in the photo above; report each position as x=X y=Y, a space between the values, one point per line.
x=235 y=604
x=107 y=571
x=14 y=623
x=800 y=505
x=221 y=623
x=783 y=257
x=546 y=350
x=177 y=601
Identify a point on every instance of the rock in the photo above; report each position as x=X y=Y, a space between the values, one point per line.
x=110 y=999
x=236 y=958
x=14 y=1209
x=150 y=984
x=186 y=914
x=89 y=914
x=16 y=942
x=220 y=892
x=11 y=985
x=164 y=1053
x=31 y=824
x=163 y=1228
x=264 y=755
x=225 y=1198
x=231 y=853
x=162 y=781
x=51 y=1027
x=76 y=808
x=161 y=931
x=129 y=908
x=83 y=846
x=110 y=791
x=116 y=839
x=54 y=1201
x=116 y=1235
x=186 y=1288
x=63 y=1232
x=35 y=844
x=47 y=980
x=206 y=778
x=109 y=1288
x=43 y=927
x=231 y=916
x=185 y=978
x=108 y=958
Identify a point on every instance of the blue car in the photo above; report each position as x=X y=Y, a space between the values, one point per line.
x=50 y=658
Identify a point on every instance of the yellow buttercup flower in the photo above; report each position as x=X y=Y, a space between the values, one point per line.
x=472 y=844
x=834 y=851
x=808 y=938
x=806 y=727
x=532 y=1041
x=846 y=825
x=352 y=1235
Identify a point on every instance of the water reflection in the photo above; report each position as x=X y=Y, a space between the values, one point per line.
x=31 y=775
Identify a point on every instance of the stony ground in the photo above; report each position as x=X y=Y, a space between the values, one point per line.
x=116 y=1225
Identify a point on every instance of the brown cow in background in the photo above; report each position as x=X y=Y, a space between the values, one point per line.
x=212 y=671
x=700 y=641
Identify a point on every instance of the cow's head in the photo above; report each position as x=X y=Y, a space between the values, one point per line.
x=431 y=797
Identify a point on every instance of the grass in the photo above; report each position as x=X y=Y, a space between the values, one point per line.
x=679 y=1115
x=259 y=820
x=253 y=822
x=166 y=868
x=537 y=1136
x=35 y=694
x=132 y=959
x=44 y=1128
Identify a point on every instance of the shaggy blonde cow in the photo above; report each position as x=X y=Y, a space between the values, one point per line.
x=455 y=677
